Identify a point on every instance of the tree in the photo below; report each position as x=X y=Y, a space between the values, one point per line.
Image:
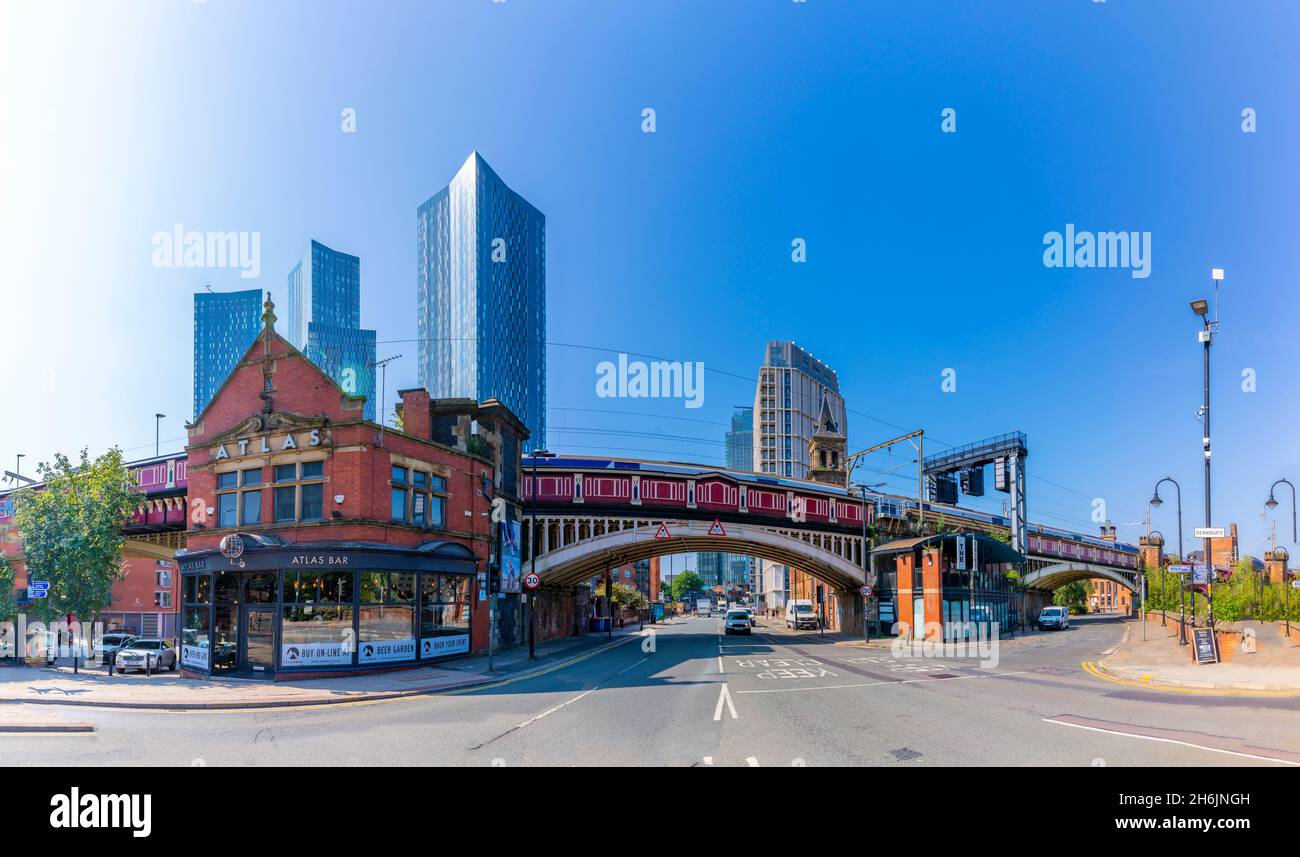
x=1074 y=596
x=71 y=531
x=687 y=581
x=8 y=601
x=627 y=597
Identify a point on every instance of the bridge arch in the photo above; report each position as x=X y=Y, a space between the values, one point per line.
x=1051 y=577
x=596 y=553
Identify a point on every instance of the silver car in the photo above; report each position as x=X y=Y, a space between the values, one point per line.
x=155 y=655
x=736 y=622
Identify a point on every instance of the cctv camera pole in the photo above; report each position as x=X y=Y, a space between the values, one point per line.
x=1209 y=568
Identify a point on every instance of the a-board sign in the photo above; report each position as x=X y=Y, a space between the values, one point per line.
x=1204 y=646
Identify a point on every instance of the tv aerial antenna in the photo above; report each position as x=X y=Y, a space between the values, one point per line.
x=382 y=366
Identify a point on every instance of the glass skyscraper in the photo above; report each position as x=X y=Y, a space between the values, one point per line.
x=225 y=325
x=325 y=320
x=724 y=568
x=481 y=293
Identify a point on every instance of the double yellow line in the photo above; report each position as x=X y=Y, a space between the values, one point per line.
x=1096 y=671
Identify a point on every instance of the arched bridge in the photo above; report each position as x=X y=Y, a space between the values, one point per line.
x=596 y=513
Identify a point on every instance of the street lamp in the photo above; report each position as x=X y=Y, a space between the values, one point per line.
x=866 y=560
x=1156 y=501
x=532 y=557
x=1271 y=503
x=157 y=421
x=1206 y=337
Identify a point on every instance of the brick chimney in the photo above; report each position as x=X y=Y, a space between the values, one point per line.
x=414 y=411
x=1275 y=565
x=1152 y=548
x=1108 y=531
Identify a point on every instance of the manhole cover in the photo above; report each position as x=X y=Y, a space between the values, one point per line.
x=904 y=754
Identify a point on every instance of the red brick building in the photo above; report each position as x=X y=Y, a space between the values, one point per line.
x=320 y=542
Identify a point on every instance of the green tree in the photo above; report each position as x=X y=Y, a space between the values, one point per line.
x=1074 y=596
x=627 y=597
x=71 y=531
x=8 y=600
x=687 y=581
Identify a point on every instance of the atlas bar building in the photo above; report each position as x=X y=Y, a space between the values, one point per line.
x=322 y=543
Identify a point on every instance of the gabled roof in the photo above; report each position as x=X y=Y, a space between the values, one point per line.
x=265 y=340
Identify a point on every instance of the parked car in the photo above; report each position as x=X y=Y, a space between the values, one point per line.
x=155 y=654
x=736 y=622
x=113 y=642
x=1054 y=617
x=799 y=613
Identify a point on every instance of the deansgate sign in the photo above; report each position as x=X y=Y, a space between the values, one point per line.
x=263 y=444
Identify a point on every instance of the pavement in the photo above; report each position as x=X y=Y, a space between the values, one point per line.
x=1270 y=666
x=691 y=696
x=34 y=685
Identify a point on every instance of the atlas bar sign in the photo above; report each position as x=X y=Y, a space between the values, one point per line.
x=266 y=444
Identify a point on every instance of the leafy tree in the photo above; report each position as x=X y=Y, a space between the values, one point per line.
x=687 y=581
x=627 y=597
x=8 y=601
x=1074 y=596
x=71 y=530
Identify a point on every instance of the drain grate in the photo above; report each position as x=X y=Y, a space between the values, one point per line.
x=904 y=754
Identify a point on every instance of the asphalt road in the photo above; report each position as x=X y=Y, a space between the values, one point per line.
x=700 y=698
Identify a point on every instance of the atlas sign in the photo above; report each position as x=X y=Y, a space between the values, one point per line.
x=265 y=444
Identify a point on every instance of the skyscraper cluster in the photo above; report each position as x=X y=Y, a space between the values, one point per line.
x=480 y=298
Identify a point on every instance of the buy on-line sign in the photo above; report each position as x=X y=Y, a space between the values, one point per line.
x=1209 y=532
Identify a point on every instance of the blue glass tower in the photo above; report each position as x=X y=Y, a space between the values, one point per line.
x=481 y=294
x=225 y=325
x=325 y=320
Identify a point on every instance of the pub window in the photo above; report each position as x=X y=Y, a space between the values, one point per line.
x=387 y=612
x=251 y=507
x=226 y=505
x=417 y=497
x=444 y=604
x=303 y=501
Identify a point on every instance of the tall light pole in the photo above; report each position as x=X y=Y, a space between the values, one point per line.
x=1271 y=503
x=1206 y=337
x=157 y=422
x=866 y=559
x=532 y=557
x=1156 y=501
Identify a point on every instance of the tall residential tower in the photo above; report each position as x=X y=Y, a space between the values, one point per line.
x=481 y=292
x=325 y=320
x=796 y=394
x=225 y=325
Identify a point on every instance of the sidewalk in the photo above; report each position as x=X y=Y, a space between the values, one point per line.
x=168 y=691
x=1159 y=662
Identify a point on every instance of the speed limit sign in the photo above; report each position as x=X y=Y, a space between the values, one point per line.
x=532 y=580
x=866 y=590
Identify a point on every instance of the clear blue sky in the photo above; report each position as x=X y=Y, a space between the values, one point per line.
x=775 y=120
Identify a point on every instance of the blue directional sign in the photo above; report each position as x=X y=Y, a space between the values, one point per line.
x=38 y=588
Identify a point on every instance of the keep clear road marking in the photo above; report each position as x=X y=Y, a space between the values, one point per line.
x=724 y=697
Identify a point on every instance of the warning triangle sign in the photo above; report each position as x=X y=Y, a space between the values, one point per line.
x=663 y=532
x=716 y=529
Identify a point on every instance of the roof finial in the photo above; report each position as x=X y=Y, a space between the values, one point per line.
x=268 y=313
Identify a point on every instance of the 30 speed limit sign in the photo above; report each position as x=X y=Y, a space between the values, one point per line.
x=866 y=591
x=532 y=580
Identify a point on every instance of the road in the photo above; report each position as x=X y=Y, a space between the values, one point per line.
x=700 y=698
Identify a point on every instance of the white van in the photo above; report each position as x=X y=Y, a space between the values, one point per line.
x=799 y=613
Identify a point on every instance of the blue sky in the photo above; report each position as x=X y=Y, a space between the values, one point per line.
x=775 y=121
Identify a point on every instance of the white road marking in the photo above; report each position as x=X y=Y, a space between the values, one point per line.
x=875 y=683
x=550 y=711
x=1172 y=741
x=724 y=697
x=720 y=668
x=752 y=761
